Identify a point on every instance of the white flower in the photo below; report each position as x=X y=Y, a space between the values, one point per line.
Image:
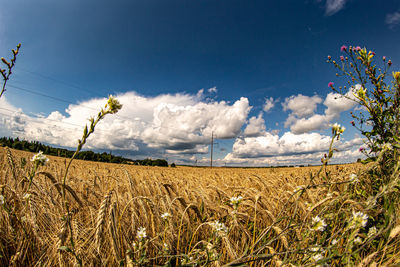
x=299 y=188
x=39 y=159
x=334 y=242
x=337 y=129
x=318 y=257
x=316 y=248
x=219 y=227
x=1 y=200
x=372 y=231
x=165 y=216
x=359 y=219
x=318 y=224
x=235 y=201
x=26 y=196
x=165 y=246
x=141 y=233
x=387 y=146
x=358 y=240
x=354 y=178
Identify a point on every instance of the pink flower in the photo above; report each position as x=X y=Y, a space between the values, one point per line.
x=361 y=149
x=343 y=48
x=342 y=58
x=384 y=58
x=389 y=62
x=330 y=84
x=358 y=48
x=329 y=57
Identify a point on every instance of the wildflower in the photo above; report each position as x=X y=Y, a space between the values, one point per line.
x=235 y=201
x=329 y=57
x=334 y=242
x=26 y=196
x=354 y=178
x=165 y=246
x=141 y=233
x=39 y=159
x=358 y=48
x=318 y=224
x=343 y=48
x=330 y=84
x=361 y=93
x=219 y=227
x=318 y=257
x=299 y=188
x=387 y=146
x=358 y=240
x=337 y=129
x=316 y=248
x=341 y=58
x=1 y=200
x=359 y=219
x=396 y=75
x=389 y=62
x=361 y=149
x=353 y=123
x=113 y=105
x=372 y=231
x=165 y=216
x=384 y=58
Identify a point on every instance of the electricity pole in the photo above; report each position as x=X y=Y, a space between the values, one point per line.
x=212 y=148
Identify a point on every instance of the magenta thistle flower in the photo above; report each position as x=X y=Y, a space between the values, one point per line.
x=343 y=48
x=330 y=84
x=361 y=149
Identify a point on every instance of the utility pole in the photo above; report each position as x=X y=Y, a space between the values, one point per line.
x=212 y=148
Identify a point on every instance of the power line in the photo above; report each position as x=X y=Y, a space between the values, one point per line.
x=59 y=99
x=59 y=81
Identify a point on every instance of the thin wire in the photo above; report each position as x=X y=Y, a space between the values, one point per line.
x=60 y=100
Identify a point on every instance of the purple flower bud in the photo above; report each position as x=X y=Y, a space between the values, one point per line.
x=343 y=48
x=352 y=123
x=361 y=149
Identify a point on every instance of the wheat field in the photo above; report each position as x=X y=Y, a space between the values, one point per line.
x=110 y=202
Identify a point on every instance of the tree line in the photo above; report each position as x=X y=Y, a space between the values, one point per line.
x=36 y=146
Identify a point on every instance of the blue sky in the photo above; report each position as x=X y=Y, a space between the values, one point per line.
x=186 y=69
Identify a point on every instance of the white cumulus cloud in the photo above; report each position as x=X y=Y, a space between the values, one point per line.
x=334 y=6
x=393 y=19
x=303 y=119
x=269 y=104
x=255 y=127
x=179 y=123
